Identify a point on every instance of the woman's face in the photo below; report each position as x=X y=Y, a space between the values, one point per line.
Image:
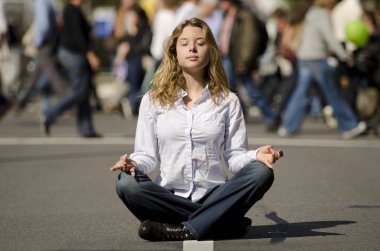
x=192 y=49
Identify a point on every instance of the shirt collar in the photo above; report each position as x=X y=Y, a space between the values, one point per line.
x=204 y=95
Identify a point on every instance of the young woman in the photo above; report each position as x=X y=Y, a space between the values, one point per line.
x=184 y=121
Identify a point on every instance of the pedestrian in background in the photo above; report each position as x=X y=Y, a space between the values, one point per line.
x=186 y=9
x=46 y=33
x=79 y=60
x=184 y=121
x=5 y=103
x=239 y=44
x=134 y=46
x=317 y=43
x=162 y=26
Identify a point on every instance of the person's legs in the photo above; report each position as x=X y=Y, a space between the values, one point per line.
x=29 y=91
x=227 y=65
x=230 y=202
x=49 y=67
x=79 y=75
x=298 y=102
x=324 y=75
x=135 y=78
x=149 y=201
x=258 y=98
x=222 y=210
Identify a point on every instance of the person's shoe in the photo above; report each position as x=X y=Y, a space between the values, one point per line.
x=356 y=131
x=283 y=132
x=92 y=135
x=45 y=126
x=157 y=231
x=330 y=121
x=272 y=127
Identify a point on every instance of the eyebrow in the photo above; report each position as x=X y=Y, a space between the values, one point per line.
x=184 y=38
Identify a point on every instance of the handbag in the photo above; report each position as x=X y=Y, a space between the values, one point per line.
x=7 y=70
x=367 y=101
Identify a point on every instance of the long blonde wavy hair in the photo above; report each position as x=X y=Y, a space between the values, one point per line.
x=169 y=78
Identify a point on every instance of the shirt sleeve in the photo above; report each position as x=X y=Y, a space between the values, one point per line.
x=41 y=22
x=326 y=30
x=236 y=152
x=145 y=152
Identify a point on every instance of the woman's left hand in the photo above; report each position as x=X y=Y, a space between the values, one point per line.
x=268 y=155
x=125 y=164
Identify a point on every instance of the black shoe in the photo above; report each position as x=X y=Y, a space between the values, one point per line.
x=5 y=106
x=157 y=231
x=45 y=126
x=92 y=135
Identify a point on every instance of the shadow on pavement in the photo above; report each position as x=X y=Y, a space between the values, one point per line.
x=282 y=230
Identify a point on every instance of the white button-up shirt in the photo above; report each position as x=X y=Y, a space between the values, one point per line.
x=187 y=143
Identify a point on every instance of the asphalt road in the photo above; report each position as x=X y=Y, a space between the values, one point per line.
x=57 y=192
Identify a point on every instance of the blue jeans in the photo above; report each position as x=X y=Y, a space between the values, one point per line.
x=135 y=79
x=323 y=75
x=253 y=91
x=79 y=74
x=223 y=205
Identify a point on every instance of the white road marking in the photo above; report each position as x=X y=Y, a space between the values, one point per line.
x=335 y=143
x=198 y=245
x=277 y=142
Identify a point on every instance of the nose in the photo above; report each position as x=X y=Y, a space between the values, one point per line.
x=192 y=48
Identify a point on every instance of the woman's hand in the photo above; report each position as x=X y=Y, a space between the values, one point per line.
x=93 y=60
x=121 y=53
x=268 y=155
x=125 y=164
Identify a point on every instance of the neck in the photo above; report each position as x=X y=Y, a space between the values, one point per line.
x=232 y=11
x=194 y=88
x=194 y=84
x=76 y=2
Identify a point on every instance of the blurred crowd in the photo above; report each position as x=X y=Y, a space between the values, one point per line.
x=317 y=59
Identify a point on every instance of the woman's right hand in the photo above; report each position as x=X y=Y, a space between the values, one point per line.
x=268 y=155
x=125 y=164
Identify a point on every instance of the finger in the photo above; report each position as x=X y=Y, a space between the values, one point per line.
x=274 y=159
x=124 y=157
x=133 y=171
x=268 y=148
x=268 y=164
x=114 y=168
x=277 y=154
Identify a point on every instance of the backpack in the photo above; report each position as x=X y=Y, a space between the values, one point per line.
x=262 y=32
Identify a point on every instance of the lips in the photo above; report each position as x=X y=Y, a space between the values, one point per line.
x=192 y=58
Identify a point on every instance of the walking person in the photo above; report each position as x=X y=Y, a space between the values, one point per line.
x=239 y=44
x=80 y=61
x=184 y=121
x=162 y=26
x=134 y=47
x=5 y=103
x=45 y=40
x=317 y=43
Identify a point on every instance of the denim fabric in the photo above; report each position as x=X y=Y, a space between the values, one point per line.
x=135 y=78
x=79 y=74
x=225 y=203
x=253 y=92
x=320 y=72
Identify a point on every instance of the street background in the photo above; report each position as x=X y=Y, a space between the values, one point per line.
x=58 y=192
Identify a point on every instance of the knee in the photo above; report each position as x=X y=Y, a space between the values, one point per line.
x=126 y=186
x=259 y=174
